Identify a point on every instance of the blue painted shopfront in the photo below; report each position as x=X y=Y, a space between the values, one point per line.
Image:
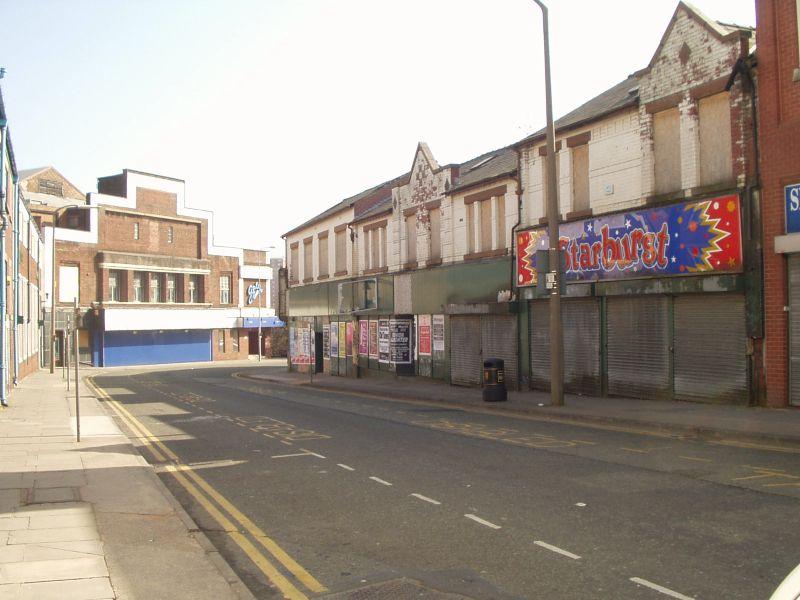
x=122 y=348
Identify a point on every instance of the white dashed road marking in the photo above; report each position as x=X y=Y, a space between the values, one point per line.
x=426 y=499
x=557 y=550
x=345 y=467
x=379 y=480
x=660 y=588
x=303 y=453
x=482 y=522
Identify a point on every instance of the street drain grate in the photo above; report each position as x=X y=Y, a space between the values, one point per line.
x=395 y=589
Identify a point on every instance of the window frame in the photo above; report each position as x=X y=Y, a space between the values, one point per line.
x=136 y=230
x=228 y=298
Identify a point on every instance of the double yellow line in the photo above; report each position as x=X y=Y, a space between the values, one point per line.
x=220 y=509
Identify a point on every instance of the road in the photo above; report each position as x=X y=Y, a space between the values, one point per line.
x=410 y=500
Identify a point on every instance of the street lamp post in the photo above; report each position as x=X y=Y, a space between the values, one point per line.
x=53 y=280
x=553 y=219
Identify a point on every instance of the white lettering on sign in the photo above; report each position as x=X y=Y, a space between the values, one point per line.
x=794 y=199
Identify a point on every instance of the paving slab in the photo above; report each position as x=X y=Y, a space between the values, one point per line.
x=97 y=588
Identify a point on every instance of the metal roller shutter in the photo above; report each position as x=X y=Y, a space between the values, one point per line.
x=638 y=347
x=499 y=340
x=581 y=319
x=794 y=329
x=710 y=348
x=540 y=344
x=465 y=350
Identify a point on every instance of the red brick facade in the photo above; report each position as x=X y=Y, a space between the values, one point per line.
x=779 y=134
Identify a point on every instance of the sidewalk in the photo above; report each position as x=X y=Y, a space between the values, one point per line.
x=737 y=423
x=92 y=520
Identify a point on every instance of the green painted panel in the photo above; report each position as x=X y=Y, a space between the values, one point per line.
x=464 y=283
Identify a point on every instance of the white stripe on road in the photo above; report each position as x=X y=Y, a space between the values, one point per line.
x=557 y=549
x=426 y=499
x=312 y=453
x=379 y=480
x=659 y=588
x=482 y=522
x=303 y=453
x=345 y=467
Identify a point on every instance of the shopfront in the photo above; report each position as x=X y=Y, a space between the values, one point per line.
x=654 y=304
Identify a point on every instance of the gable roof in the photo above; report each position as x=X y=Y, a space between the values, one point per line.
x=28 y=173
x=486 y=167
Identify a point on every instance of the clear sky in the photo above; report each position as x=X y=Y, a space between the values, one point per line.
x=273 y=110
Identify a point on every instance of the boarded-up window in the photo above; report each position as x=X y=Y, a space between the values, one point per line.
x=294 y=260
x=667 y=150
x=716 y=165
x=341 y=251
x=486 y=225
x=411 y=238
x=68 y=283
x=375 y=250
x=436 y=234
x=580 y=177
x=500 y=222
x=308 y=260
x=470 y=228
x=323 y=255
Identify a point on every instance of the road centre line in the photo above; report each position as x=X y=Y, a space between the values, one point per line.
x=660 y=588
x=294 y=455
x=633 y=450
x=426 y=499
x=482 y=522
x=313 y=453
x=557 y=550
x=151 y=441
x=381 y=481
x=345 y=467
x=697 y=458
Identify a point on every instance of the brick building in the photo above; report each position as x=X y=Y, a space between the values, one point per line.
x=778 y=56
x=152 y=286
x=21 y=249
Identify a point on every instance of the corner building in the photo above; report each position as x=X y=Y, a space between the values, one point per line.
x=152 y=286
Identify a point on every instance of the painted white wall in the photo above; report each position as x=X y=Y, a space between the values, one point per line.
x=125 y=319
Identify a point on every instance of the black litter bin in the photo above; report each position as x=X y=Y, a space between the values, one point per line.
x=494 y=380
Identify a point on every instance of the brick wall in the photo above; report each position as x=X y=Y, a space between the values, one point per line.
x=779 y=123
x=231 y=350
x=117 y=233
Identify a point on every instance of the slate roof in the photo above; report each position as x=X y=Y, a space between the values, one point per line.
x=492 y=165
x=25 y=173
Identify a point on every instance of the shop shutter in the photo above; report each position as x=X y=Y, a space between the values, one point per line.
x=794 y=329
x=540 y=344
x=710 y=348
x=465 y=350
x=581 y=321
x=638 y=347
x=499 y=340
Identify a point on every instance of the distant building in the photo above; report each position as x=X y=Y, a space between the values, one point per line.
x=152 y=286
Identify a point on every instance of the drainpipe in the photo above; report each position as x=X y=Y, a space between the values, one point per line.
x=15 y=287
x=3 y=227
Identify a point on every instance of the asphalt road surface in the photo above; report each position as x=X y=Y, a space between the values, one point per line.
x=407 y=500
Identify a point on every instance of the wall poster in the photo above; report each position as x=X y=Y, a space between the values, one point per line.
x=373 y=339
x=334 y=340
x=438 y=333
x=424 y=335
x=343 y=339
x=326 y=341
x=383 y=340
x=400 y=350
x=363 y=337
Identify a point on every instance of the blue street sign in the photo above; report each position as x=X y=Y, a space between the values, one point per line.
x=265 y=322
x=792 y=196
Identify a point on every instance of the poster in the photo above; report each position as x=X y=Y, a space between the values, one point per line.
x=680 y=239
x=326 y=342
x=301 y=354
x=373 y=339
x=349 y=334
x=334 y=340
x=383 y=340
x=438 y=333
x=424 y=334
x=363 y=338
x=400 y=350
x=343 y=339
x=291 y=343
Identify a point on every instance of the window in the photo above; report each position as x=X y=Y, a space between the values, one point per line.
x=436 y=234
x=486 y=225
x=235 y=340
x=193 y=289
x=68 y=283
x=54 y=188
x=716 y=163
x=171 y=292
x=500 y=222
x=308 y=259
x=322 y=240
x=225 y=289
x=155 y=287
x=411 y=238
x=580 y=177
x=221 y=340
x=170 y=234
x=114 y=280
x=341 y=252
x=470 y=228
x=376 y=249
x=136 y=231
x=667 y=150
x=138 y=290
x=294 y=262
